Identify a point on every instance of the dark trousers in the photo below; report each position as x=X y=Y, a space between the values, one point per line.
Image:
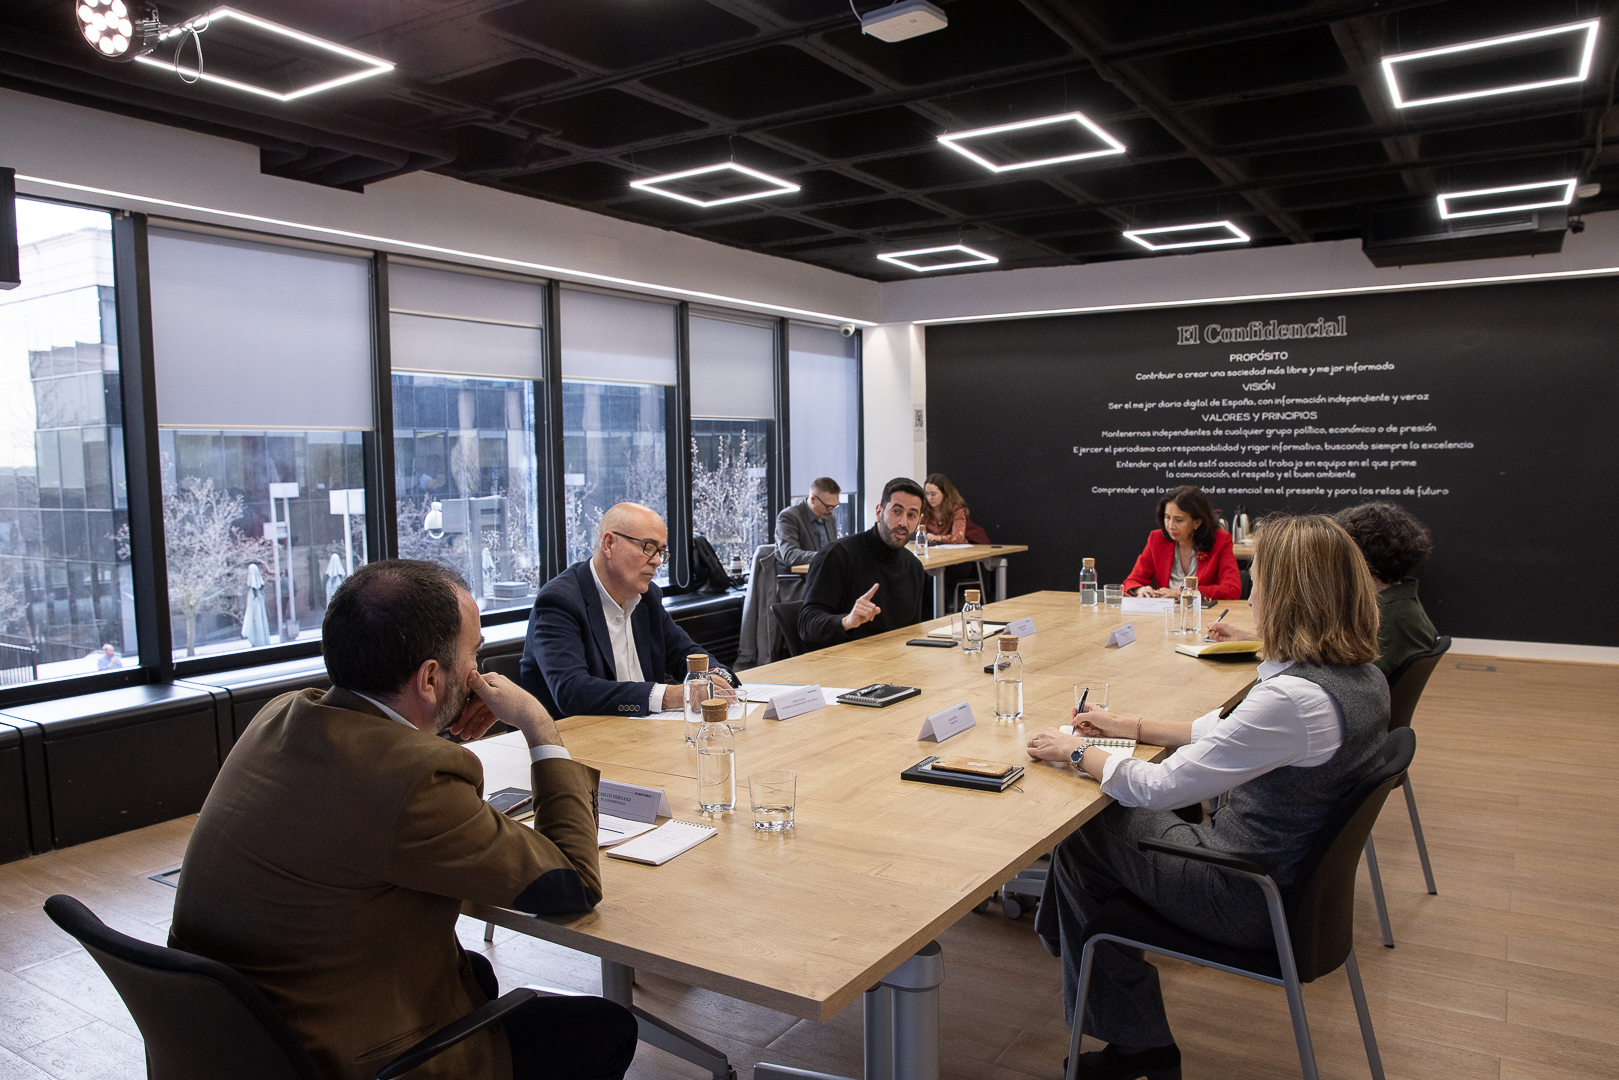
x=564 y=1038
x=1125 y=1003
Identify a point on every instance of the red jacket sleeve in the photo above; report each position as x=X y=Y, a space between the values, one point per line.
x=1144 y=573
x=1224 y=582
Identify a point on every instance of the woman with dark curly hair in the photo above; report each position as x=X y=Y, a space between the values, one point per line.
x=1188 y=542
x=1394 y=543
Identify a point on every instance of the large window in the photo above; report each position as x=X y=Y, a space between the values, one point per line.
x=66 y=594
x=733 y=408
x=468 y=361
x=618 y=364
x=263 y=356
x=824 y=399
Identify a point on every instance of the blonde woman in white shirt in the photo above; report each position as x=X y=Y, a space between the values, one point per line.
x=1287 y=755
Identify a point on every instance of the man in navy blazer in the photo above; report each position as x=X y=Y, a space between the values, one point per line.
x=599 y=641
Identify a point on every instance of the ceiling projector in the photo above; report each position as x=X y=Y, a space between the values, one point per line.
x=906 y=19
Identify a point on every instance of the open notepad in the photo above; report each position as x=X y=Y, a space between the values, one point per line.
x=663 y=843
x=1112 y=746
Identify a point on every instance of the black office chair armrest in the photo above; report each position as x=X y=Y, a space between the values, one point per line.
x=1241 y=863
x=464 y=1028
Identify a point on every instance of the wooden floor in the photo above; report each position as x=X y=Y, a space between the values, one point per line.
x=1510 y=973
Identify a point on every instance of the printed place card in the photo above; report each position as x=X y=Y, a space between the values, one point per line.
x=631 y=801
x=1022 y=628
x=795 y=702
x=1146 y=605
x=952 y=721
x=1121 y=637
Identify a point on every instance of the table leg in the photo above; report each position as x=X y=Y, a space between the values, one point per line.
x=1000 y=578
x=939 y=606
x=618 y=984
x=902 y=1025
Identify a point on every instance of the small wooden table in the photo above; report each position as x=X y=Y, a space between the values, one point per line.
x=1244 y=551
x=876 y=867
x=937 y=558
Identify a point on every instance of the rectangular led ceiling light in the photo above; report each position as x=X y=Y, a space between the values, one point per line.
x=720 y=189
x=369 y=65
x=948 y=257
x=1028 y=144
x=1554 y=56
x=1506 y=200
x=1203 y=234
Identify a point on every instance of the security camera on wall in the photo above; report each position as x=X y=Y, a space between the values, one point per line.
x=847 y=329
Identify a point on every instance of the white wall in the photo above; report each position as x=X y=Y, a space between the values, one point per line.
x=151 y=163
x=1215 y=275
x=891 y=361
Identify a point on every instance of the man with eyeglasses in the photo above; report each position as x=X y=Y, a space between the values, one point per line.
x=803 y=529
x=599 y=641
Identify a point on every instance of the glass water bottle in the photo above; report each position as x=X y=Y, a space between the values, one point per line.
x=1089 y=595
x=972 y=623
x=1008 y=680
x=696 y=690
x=1191 y=607
x=716 y=760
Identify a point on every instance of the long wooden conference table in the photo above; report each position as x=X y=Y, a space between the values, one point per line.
x=847 y=904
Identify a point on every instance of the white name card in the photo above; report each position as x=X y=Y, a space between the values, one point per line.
x=1146 y=605
x=795 y=702
x=1022 y=628
x=952 y=721
x=631 y=801
x=1121 y=637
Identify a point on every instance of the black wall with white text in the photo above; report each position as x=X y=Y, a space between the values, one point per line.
x=1489 y=411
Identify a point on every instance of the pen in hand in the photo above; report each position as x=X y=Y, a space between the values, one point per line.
x=1223 y=614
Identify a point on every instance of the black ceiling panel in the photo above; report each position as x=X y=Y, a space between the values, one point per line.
x=1270 y=113
x=607 y=118
x=612 y=34
x=523 y=75
x=775 y=79
x=981 y=37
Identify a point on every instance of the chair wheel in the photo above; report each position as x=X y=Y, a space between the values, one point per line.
x=1010 y=907
x=983 y=905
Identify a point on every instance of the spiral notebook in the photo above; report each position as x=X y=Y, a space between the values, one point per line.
x=663 y=843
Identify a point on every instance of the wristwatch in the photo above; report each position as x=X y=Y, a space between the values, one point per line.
x=1078 y=755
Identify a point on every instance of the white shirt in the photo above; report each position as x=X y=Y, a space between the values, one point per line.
x=535 y=753
x=622 y=636
x=1285 y=720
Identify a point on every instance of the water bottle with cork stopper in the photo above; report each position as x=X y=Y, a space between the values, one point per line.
x=1089 y=596
x=1008 y=680
x=972 y=623
x=696 y=689
x=716 y=760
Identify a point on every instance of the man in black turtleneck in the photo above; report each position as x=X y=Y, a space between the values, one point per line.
x=868 y=583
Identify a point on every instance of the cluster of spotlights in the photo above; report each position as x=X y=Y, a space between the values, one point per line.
x=117 y=29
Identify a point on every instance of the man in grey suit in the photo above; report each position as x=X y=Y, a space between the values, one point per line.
x=807 y=527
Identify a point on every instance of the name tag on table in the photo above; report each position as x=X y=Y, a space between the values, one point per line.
x=1022 y=628
x=795 y=702
x=1121 y=637
x=952 y=721
x=631 y=801
x=1146 y=605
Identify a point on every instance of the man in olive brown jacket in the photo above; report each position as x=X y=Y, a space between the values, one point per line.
x=330 y=860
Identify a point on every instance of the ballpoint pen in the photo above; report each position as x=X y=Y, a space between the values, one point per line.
x=1223 y=614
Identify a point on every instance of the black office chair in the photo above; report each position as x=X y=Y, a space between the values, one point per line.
x=786 y=616
x=505 y=664
x=202 y=1020
x=1313 y=922
x=1405 y=690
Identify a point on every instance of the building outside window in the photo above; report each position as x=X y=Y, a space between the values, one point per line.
x=468 y=354
x=618 y=364
x=824 y=398
x=66 y=594
x=733 y=425
x=263 y=361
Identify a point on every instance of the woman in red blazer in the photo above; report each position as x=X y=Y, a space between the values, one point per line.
x=1188 y=541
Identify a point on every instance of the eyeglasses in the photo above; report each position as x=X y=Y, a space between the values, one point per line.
x=649 y=548
x=833 y=505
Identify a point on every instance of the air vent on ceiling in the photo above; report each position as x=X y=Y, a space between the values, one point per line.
x=1413 y=234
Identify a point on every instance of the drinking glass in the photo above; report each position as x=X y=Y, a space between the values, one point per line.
x=1097 y=695
x=773 y=794
x=1113 y=595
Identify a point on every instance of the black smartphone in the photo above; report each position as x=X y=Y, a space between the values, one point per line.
x=931 y=643
x=509 y=800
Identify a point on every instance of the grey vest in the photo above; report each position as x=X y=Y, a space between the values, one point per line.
x=1276 y=816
